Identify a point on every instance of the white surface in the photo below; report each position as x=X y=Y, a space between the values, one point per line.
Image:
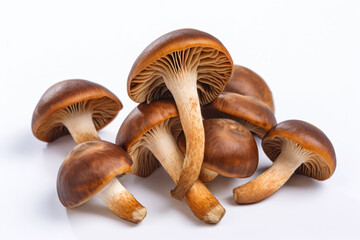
x=308 y=52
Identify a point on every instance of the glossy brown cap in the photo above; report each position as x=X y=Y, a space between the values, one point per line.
x=249 y=111
x=309 y=137
x=246 y=82
x=105 y=106
x=141 y=120
x=152 y=85
x=88 y=168
x=230 y=149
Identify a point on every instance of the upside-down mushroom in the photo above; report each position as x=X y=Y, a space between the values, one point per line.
x=192 y=67
x=148 y=135
x=292 y=145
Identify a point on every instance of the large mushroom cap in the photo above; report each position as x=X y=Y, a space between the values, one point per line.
x=141 y=120
x=88 y=168
x=321 y=164
x=246 y=82
x=230 y=149
x=72 y=96
x=249 y=111
x=174 y=50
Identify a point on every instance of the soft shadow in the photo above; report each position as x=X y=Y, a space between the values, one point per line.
x=24 y=143
x=300 y=181
x=62 y=145
x=52 y=207
x=160 y=183
x=94 y=208
x=55 y=153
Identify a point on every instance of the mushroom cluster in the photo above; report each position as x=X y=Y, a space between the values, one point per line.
x=198 y=116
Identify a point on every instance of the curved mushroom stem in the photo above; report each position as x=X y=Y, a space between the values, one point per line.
x=263 y=186
x=81 y=127
x=207 y=175
x=184 y=90
x=118 y=199
x=200 y=200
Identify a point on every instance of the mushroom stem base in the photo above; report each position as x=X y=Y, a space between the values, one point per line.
x=263 y=186
x=200 y=200
x=118 y=199
x=81 y=127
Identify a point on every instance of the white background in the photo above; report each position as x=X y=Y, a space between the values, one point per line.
x=307 y=51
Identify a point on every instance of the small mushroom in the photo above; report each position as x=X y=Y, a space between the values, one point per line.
x=230 y=150
x=192 y=67
x=292 y=145
x=147 y=134
x=78 y=107
x=251 y=112
x=93 y=168
x=248 y=83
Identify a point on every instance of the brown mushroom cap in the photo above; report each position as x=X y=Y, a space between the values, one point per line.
x=230 y=149
x=246 y=82
x=141 y=120
x=72 y=95
x=249 y=111
x=88 y=168
x=145 y=81
x=321 y=164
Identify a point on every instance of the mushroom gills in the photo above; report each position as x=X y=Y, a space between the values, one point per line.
x=210 y=64
x=81 y=119
x=182 y=71
x=292 y=156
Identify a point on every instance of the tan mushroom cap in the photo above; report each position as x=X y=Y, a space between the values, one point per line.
x=145 y=81
x=246 y=82
x=68 y=95
x=320 y=165
x=141 y=120
x=249 y=111
x=88 y=168
x=230 y=149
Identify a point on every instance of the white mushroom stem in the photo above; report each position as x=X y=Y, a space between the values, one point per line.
x=118 y=199
x=183 y=87
x=200 y=200
x=207 y=175
x=291 y=157
x=81 y=127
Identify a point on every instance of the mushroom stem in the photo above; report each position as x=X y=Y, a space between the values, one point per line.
x=81 y=127
x=291 y=157
x=184 y=90
x=207 y=175
x=200 y=200
x=118 y=199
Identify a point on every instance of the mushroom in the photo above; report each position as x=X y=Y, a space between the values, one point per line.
x=92 y=168
x=78 y=107
x=192 y=67
x=81 y=107
x=147 y=134
x=251 y=112
x=230 y=150
x=292 y=145
x=248 y=83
